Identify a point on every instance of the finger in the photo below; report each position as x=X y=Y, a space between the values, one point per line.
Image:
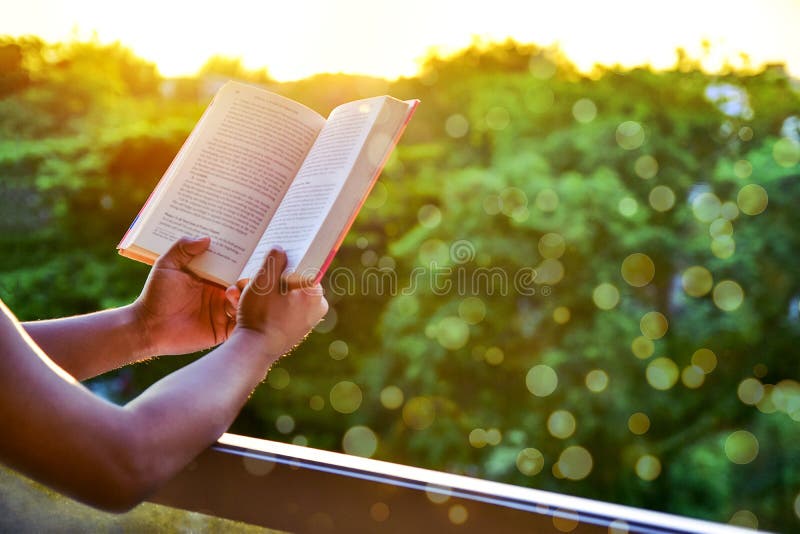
x=316 y=311
x=182 y=252
x=314 y=290
x=230 y=311
x=232 y=295
x=269 y=276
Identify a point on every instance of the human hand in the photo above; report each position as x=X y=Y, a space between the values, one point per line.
x=279 y=317
x=179 y=312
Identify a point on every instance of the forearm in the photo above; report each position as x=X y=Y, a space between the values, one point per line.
x=111 y=456
x=89 y=345
x=185 y=412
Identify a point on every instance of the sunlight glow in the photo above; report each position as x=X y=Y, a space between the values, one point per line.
x=297 y=39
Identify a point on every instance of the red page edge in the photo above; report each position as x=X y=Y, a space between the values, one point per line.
x=414 y=103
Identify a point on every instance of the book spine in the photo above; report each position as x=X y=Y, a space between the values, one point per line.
x=412 y=107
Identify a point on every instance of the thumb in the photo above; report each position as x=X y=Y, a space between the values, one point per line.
x=183 y=251
x=269 y=276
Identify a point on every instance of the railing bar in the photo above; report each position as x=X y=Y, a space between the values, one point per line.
x=509 y=502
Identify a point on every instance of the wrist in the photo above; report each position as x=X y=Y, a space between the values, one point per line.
x=262 y=343
x=143 y=331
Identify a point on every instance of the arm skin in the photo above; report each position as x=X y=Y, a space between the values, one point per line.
x=112 y=457
x=177 y=313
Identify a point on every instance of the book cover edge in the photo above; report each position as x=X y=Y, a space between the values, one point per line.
x=413 y=103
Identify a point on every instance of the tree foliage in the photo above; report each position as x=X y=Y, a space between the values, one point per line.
x=504 y=273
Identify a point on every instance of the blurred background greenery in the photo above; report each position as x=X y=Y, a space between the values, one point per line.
x=655 y=361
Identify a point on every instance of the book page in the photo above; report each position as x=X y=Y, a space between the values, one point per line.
x=383 y=137
x=232 y=178
x=318 y=183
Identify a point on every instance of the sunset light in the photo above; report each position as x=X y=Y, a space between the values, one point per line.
x=296 y=39
x=557 y=243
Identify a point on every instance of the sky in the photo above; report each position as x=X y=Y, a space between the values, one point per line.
x=297 y=38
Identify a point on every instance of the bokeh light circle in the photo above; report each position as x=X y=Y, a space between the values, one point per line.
x=697 y=281
x=562 y=315
x=752 y=199
x=494 y=436
x=706 y=207
x=584 y=110
x=547 y=200
x=729 y=210
x=541 y=380
x=638 y=423
x=360 y=441
x=549 y=272
x=742 y=169
x=605 y=296
x=566 y=520
x=646 y=167
x=597 y=380
x=662 y=373
x=458 y=514
x=653 y=325
x=648 y=467
x=744 y=519
x=552 y=245
x=662 y=198
x=643 y=347
x=477 y=438
x=338 y=349
x=741 y=447
x=456 y=126
x=628 y=206
x=438 y=494
x=429 y=216
x=379 y=511
x=472 y=310
x=786 y=152
x=346 y=397
x=705 y=359
x=316 y=402
x=630 y=135
x=494 y=356
x=391 y=397
x=723 y=246
x=452 y=333
x=419 y=413
x=750 y=391
x=728 y=295
x=561 y=424
x=692 y=376
x=575 y=463
x=638 y=269
x=530 y=461
x=284 y=424
x=720 y=227
x=278 y=378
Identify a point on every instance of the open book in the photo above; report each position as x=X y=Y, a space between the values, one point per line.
x=260 y=170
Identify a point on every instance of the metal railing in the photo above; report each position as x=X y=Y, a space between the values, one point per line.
x=299 y=489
